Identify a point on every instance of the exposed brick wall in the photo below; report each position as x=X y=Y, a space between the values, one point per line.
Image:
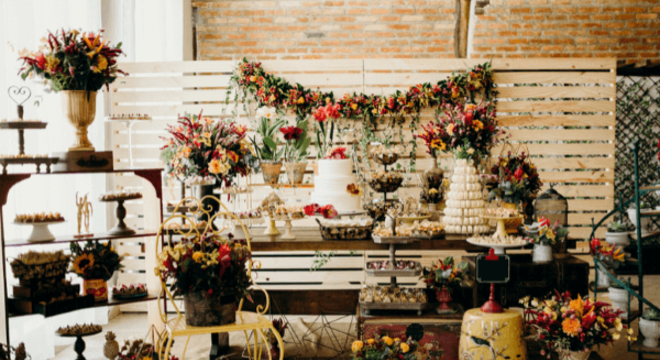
x=324 y=29
x=627 y=29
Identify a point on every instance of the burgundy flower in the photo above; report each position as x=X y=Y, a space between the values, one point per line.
x=291 y=133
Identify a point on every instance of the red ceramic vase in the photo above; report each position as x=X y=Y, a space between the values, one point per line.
x=444 y=298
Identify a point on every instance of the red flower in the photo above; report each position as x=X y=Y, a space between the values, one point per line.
x=291 y=133
x=519 y=174
x=328 y=212
x=310 y=210
x=338 y=153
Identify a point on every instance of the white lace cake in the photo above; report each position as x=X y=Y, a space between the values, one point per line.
x=331 y=182
x=465 y=201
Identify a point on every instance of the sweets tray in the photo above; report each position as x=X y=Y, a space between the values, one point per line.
x=368 y=306
x=393 y=272
x=345 y=233
x=392 y=239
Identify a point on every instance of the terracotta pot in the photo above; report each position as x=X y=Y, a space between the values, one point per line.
x=295 y=172
x=573 y=355
x=444 y=298
x=209 y=311
x=651 y=331
x=542 y=253
x=81 y=111
x=96 y=287
x=271 y=172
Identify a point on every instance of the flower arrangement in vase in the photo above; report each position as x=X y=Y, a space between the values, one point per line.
x=266 y=150
x=325 y=117
x=442 y=276
x=77 y=66
x=518 y=180
x=295 y=151
x=649 y=326
x=609 y=258
x=386 y=348
x=571 y=327
x=544 y=236
x=432 y=135
x=210 y=272
x=95 y=263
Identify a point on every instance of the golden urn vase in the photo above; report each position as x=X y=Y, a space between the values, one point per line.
x=80 y=109
x=492 y=336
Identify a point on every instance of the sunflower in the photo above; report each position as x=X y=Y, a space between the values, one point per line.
x=83 y=263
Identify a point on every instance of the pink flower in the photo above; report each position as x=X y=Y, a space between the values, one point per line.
x=328 y=212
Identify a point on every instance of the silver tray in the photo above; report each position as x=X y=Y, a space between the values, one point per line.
x=368 y=306
x=394 y=272
x=392 y=239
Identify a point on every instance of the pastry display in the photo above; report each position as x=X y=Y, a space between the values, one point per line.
x=186 y=226
x=344 y=223
x=292 y=212
x=129 y=291
x=384 y=155
x=498 y=240
x=392 y=294
x=77 y=330
x=38 y=218
x=345 y=229
x=120 y=195
x=36 y=265
x=22 y=121
x=385 y=181
x=126 y=117
x=244 y=215
x=399 y=265
x=465 y=203
x=503 y=212
x=334 y=175
x=24 y=156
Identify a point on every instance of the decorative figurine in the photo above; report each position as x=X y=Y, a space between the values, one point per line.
x=85 y=210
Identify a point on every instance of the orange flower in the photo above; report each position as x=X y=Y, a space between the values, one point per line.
x=450 y=129
x=570 y=326
x=577 y=305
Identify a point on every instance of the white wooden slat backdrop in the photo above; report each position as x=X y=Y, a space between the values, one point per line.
x=538 y=99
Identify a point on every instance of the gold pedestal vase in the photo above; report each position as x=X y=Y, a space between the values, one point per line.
x=79 y=107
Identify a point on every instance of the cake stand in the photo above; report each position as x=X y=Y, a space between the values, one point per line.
x=40 y=231
x=500 y=249
x=501 y=227
x=121 y=228
x=79 y=346
x=129 y=125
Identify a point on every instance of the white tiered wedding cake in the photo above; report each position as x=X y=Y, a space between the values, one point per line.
x=465 y=201
x=331 y=182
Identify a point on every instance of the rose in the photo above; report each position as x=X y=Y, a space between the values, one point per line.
x=328 y=212
x=310 y=210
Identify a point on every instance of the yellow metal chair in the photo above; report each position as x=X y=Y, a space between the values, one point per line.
x=245 y=321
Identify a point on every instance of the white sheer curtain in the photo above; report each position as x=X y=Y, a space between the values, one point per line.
x=151 y=30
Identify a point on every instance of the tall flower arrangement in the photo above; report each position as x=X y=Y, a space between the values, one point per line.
x=205 y=147
x=71 y=61
x=433 y=134
x=561 y=323
x=518 y=178
x=325 y=117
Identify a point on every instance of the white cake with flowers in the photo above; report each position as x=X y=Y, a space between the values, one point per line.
x=330 y=185
x=465 y=201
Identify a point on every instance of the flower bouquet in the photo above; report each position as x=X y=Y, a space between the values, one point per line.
x=267 y=149
x=387 y=348
x=443 y=275
x=95 y=263
x=325 y=120
x=470 y=131
x=544 y=236
x=295 y=151
x=518 y=179
x=571 y=327
x=327 y=211
x=202 y=147
x=607 y=254
x=212 y=275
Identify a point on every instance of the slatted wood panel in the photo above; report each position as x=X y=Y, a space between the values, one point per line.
x=562 y=109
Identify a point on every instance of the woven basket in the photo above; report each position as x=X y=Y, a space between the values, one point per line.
x=345 y=233
x=384 y=186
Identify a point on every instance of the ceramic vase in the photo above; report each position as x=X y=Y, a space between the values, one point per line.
x=619 y=299
x=617 y=238
x=443 y=295
x=214 y=310
x=271 y=172
x=79 y=108
x=96 y=287
x=644 y=222
x=295 y=172
x=603 y=279
x=542 y=253
x=650 y=329
x=573 y=355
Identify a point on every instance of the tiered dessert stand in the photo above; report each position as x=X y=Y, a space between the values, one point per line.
x=385 y=161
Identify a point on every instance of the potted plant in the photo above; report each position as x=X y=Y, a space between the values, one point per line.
x=295 y=151
x=619 y=297
x=609 y=258
x=267 y=150
x=77 y=66
x=442 y=276
x=543 y=236
x=95 y=263
x=617 y=233
x=649 y=326
x=571 y=327
x=432 y=197
x=386 y=348
x=632 y=215
x=210 y=272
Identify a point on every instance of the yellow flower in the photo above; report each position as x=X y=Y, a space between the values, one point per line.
x=469 y=107
x=301 y=100
x=570 y=326
x=206 y=135
x=357 y=346
x=354 y=106
x=616 y=336
x=82 y=263
x=478 y=124
x=577 y=305
x=618 y=324
x=271 y=98
x=433 y=191
x=438 y=144
x=102 y=64
x=388 y=340
x=51 y=62
x=216 y=167
x=450 y=129
x=371 y=341
x=198 y=256
x=405 y=348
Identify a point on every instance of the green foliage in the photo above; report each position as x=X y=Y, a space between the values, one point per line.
x=651 y=314
x=617 y=227
x=267 y=150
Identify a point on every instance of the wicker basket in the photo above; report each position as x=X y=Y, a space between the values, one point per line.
x=27 y=273
x=384 y=186
x=345 y=233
